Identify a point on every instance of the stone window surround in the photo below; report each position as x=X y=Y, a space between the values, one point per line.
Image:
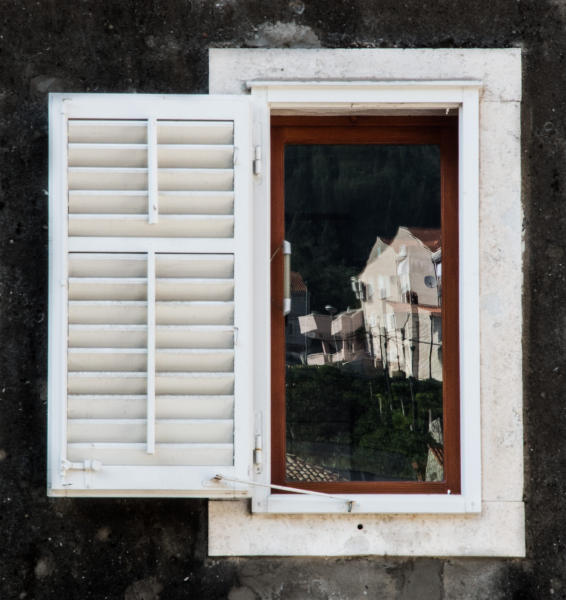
x=499 y=529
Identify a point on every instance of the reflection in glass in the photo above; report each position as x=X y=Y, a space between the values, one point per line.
x=364 y=336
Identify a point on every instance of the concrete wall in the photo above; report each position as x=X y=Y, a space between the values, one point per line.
x=134 y=549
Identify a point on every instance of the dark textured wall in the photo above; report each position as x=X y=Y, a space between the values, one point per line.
x=148 y=549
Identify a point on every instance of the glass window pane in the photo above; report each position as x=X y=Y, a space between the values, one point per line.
x=364 y=336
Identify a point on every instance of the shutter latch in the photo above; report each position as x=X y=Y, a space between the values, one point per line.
x=87 y=465
x=257 y=160
x=90 y=467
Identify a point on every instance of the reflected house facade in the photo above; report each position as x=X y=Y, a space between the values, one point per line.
x=398 y=325
x=400 y=290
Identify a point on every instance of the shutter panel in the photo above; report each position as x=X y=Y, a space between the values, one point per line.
x=150 y=310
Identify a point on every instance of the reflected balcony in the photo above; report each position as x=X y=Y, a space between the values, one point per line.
x=316 y=326
x=346 y=323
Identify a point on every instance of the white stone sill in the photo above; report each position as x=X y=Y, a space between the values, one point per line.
x=497 y=531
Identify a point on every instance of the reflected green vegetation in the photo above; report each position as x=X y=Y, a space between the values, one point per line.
x=371 y=427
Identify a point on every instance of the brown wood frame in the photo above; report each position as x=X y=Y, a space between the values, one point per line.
x=371 y=130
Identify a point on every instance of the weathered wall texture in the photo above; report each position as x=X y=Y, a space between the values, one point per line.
x=134 y=549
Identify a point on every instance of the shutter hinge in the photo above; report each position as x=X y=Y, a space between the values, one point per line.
x=257 y=160
x=258 y=452
x=258 y=443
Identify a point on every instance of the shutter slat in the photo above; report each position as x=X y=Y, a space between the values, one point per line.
x=135 y=311
x=195 y=156
x=168 y=431
x=165 y=454
x=208 y=203
x=195 y=132
x=107 y=359
x=106 y=382
x=93 y=406
x=195 y=179
x=108 y=155
x=167 y=265
x=106 y=265
x=117 y=382
x=195 y=265
x=214 y=266
x=195 y=337
x=101 y=288
x=107 y=336
x=135 y=202
x=135 y=359
x=108 y=201
x=107 y=132
x=98 y=312
x=216 y=384
x=195 y=289
x=218 y=360
x=134 y=336
x=195 y=313
x=106 y=178
x=197 y=203
x=196 y=226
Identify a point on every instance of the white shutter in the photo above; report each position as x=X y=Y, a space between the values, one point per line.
x=150 y=299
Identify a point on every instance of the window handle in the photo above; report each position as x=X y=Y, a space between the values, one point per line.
x=286 y=277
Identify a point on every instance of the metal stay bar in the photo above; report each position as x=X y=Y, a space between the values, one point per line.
x=349 y=503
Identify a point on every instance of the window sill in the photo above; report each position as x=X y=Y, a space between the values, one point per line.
x=235 y=531
x=368 y=503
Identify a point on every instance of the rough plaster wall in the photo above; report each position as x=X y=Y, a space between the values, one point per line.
x=134 y=549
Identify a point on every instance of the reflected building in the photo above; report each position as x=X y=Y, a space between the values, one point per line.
x=401 y=295
x=341 y=338
x=398 y=326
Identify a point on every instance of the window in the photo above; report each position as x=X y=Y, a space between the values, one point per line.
x=160 y=333
x=481 y=88
x=365 y=102
x=362 y=400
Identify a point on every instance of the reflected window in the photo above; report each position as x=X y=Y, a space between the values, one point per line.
x=365 y=355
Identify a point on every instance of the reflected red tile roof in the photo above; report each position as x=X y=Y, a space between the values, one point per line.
x=429 y=237
x=300 y=470
x=297 y=283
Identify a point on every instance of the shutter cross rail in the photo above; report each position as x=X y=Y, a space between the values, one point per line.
x=152 y=165
x=150 y=352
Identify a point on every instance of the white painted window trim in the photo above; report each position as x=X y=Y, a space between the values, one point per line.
x=354 y=98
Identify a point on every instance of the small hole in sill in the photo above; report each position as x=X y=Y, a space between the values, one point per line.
x=360 y=526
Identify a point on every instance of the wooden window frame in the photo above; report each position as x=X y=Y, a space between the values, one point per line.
x=442 y=131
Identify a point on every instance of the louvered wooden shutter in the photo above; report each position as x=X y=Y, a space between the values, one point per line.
x=150 y=318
